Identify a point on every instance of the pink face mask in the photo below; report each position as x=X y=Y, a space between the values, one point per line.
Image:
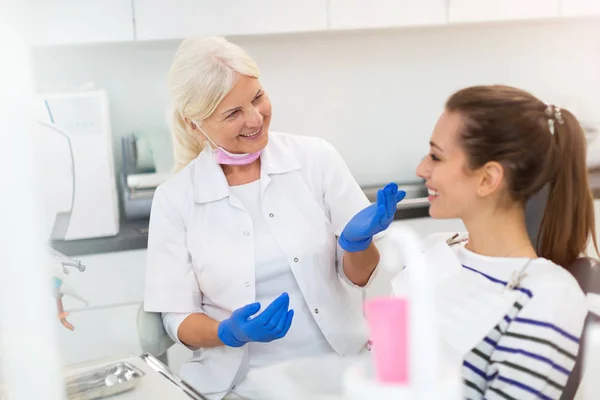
x=227 y=158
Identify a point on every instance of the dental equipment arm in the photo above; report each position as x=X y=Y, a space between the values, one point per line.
x=62 y=288
x=67 y=262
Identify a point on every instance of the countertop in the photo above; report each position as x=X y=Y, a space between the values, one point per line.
x=133 y=235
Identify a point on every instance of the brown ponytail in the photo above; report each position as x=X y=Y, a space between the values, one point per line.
x=568 y=221
x=537 y=145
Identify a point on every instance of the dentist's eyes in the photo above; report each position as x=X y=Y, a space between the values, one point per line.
x=233 y=114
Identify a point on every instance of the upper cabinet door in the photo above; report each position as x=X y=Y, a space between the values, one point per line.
x=80 y=21
x=358 y=14
x=175 y=19
x=580 y=8
x=501 y=10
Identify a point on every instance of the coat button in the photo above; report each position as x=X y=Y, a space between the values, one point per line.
x=246 y=233
x=271 y=215
x=296 y=259
x=316 y=310
x=247 y=284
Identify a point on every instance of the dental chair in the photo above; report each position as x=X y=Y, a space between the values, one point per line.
x=586 y=271
x=152 y=335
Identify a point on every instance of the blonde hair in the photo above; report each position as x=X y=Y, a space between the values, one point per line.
x=203 y=72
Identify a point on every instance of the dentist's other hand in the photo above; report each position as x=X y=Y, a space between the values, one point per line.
x=358 y=233
x=273 y=323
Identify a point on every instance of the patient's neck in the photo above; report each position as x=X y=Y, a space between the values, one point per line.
x=499 y=233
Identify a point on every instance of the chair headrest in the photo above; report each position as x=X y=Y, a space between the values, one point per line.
x=586 y=271
x=534 y=212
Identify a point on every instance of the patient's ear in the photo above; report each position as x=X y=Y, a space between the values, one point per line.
x=491 y=179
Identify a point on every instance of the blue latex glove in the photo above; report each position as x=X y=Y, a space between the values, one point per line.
x=358 y=233
x=273 y=323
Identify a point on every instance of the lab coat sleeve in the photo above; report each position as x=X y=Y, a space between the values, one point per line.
x=343 y=198
x=171 y=284
x=536 y=353
x=171 y=322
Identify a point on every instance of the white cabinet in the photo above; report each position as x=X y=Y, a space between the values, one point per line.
x=175 y=19
x=358 y=14
x=110 y=279
x=113 y=284
x=499 y=10
x=79 y=21
x=580 y=8
x=98 y=334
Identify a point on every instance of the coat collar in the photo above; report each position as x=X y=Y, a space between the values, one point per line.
x=209 y=180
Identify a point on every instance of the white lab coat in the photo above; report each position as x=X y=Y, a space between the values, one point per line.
x=201 y=245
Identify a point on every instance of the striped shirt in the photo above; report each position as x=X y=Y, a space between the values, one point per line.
x=531 y=351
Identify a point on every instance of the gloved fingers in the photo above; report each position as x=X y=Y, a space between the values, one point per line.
x=246 y=312
x=391 y=190
x=380 y=197
x=282 y=301
x=380 y=215
x=278 y=316
x=400 y=196
x=286 y=325
x=277 y=329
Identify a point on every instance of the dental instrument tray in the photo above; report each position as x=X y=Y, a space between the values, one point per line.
x=102 y=382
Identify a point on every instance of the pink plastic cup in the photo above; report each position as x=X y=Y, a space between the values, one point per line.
x=388 y=321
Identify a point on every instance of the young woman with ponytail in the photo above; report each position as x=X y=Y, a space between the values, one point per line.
x=492 y=149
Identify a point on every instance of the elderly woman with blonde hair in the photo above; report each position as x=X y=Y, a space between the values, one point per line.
x=261 y=245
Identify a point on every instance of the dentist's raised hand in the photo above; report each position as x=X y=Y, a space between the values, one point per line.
x=273 y=323
x=358 y=233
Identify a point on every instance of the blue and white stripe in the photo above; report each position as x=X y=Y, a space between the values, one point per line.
x=521 y=357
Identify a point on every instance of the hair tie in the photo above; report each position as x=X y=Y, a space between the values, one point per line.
x=553 y=113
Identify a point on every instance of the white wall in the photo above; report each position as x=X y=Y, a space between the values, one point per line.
x=374 y=94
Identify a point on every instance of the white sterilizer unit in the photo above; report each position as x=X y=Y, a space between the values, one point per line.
x=73 y=142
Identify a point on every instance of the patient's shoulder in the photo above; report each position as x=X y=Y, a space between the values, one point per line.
x=546 y=276
x=541 y=275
